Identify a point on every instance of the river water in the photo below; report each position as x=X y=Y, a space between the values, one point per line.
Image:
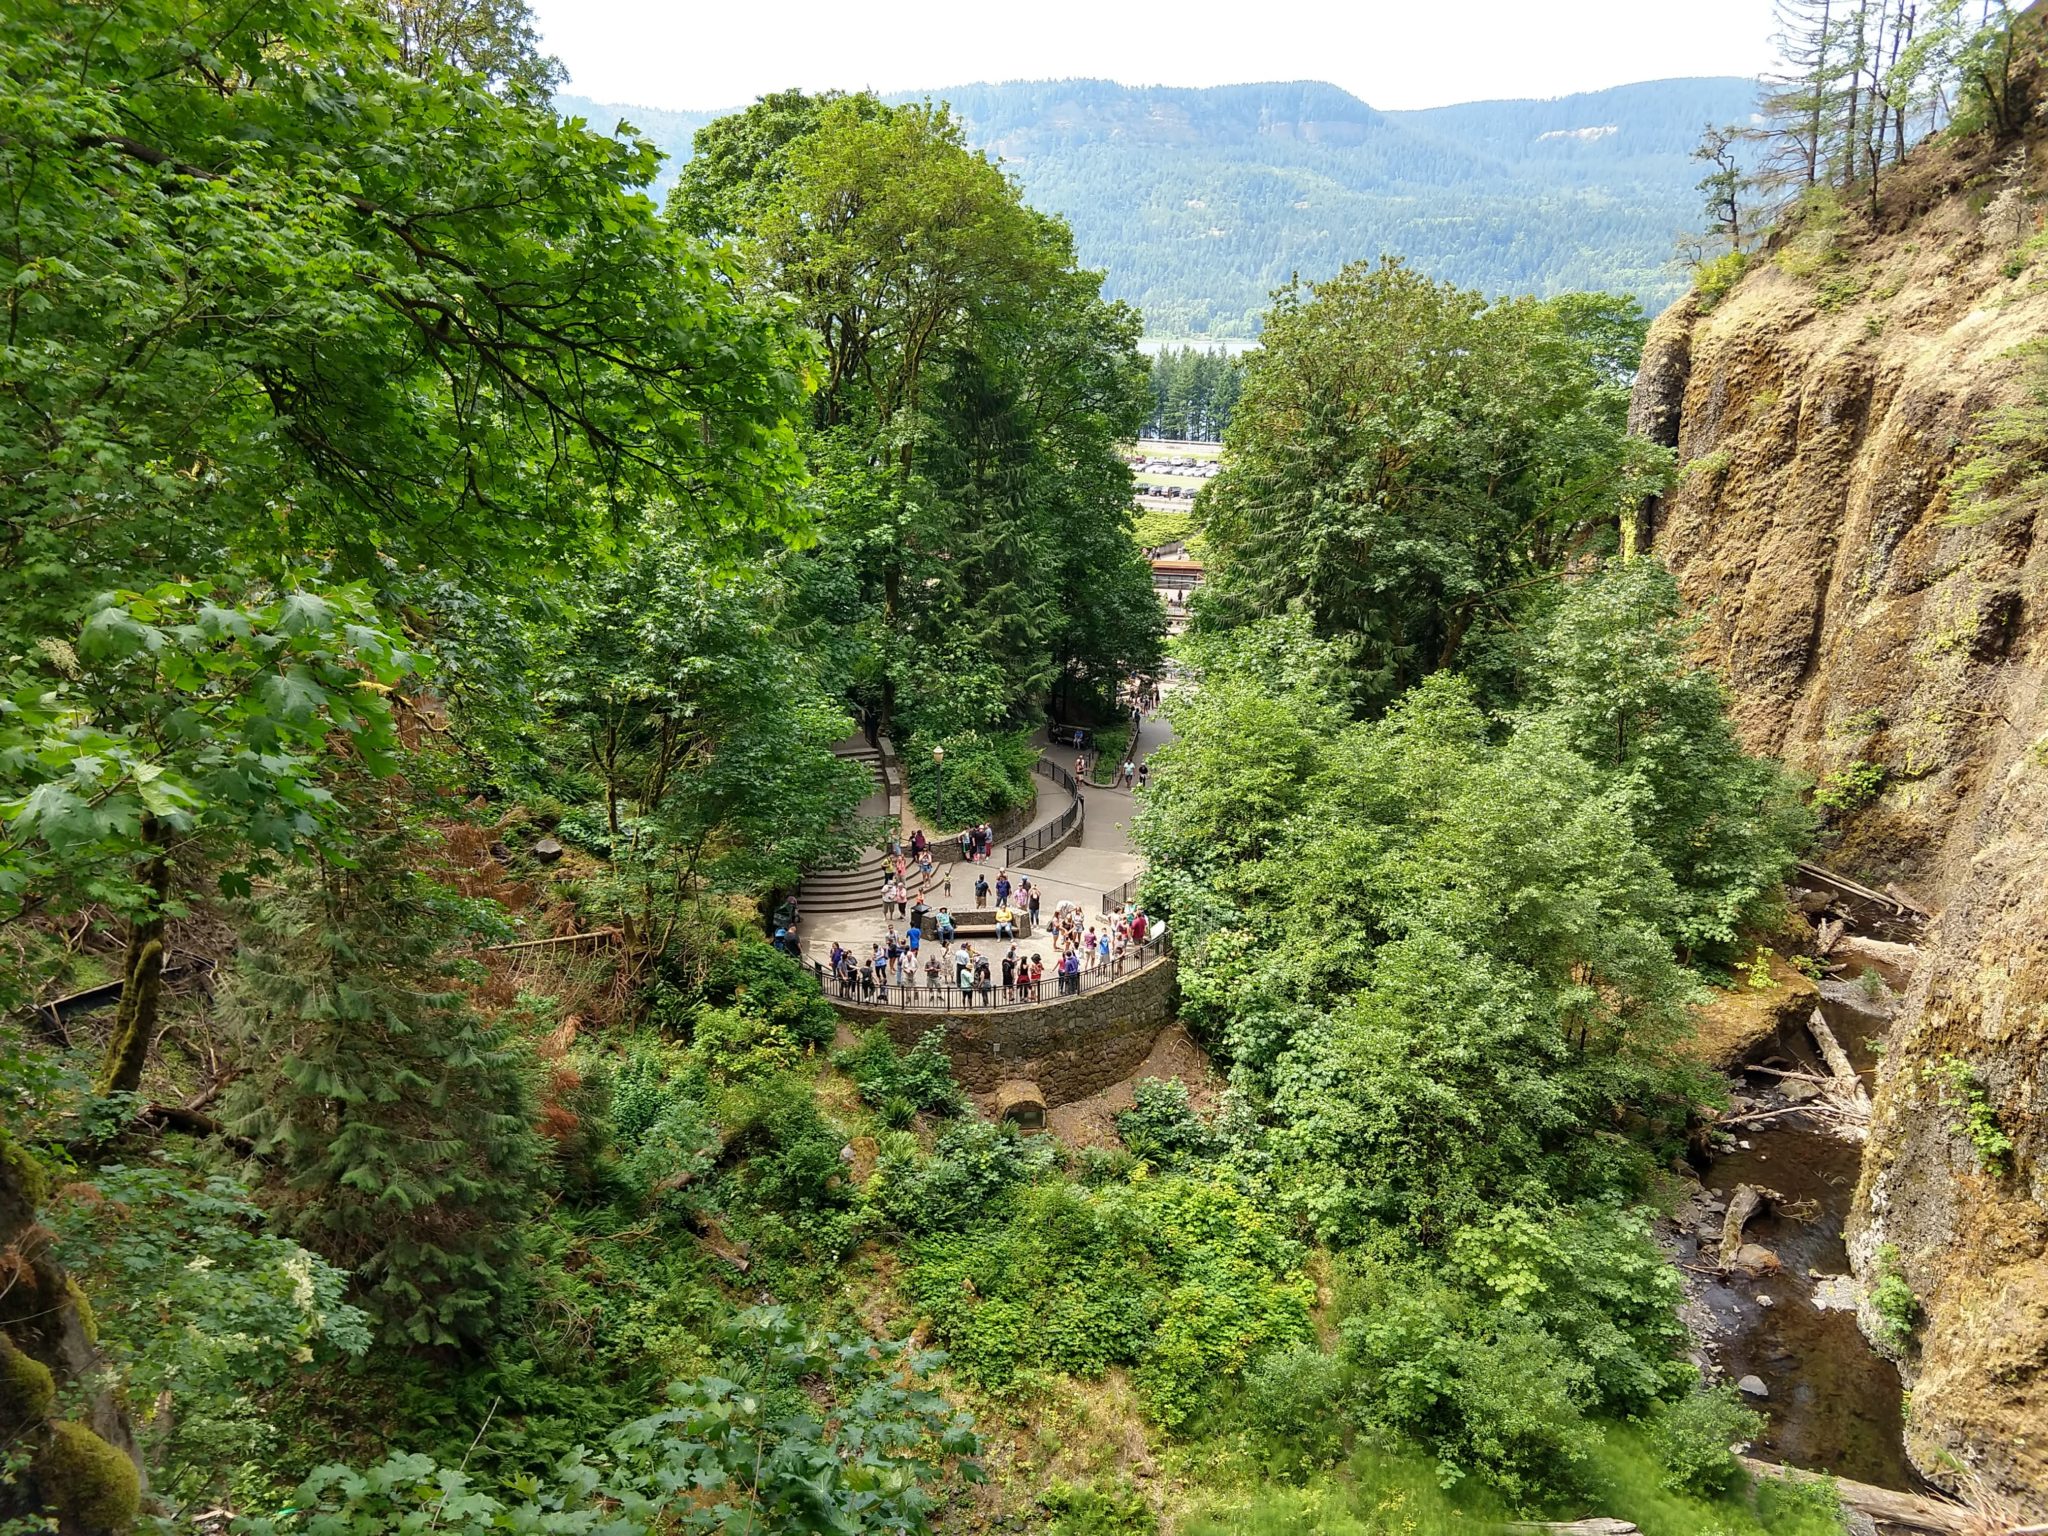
x=1835 y=1404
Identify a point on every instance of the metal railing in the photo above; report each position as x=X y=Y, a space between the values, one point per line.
x=949 y=997
x=1113 y=900
x=1016 y=851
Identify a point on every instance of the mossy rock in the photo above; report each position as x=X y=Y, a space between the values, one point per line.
x=27 y=1172
x=27 y=1389
x=88 y=1321
x=92 y=1484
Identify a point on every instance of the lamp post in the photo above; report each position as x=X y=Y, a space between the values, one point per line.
x=939 y=795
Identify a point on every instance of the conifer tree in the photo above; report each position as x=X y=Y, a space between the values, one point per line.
x=393 y=1128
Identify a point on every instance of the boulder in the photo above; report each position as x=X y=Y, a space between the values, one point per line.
x=1752 y=1386
x=1755 y=1261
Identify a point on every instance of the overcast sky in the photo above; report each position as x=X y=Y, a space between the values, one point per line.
x=1391 y=53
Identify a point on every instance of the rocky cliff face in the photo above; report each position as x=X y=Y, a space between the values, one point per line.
x=1817 y=409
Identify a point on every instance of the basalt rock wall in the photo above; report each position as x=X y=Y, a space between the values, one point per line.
x=1071 y=1047
x=1867 y=619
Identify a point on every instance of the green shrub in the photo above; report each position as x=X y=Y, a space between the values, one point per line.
x=986 y=774
x=1082 y=1511
x=1892 y=1299
x=1712 y=280
x=1693 y=1435
x=1480 y=1387
x=1979 y=1116
x=1111 y=742
x=973 y=1165
x=753 y=974
x=1186 y=1281
x=1162 y=1128
x=1845 y=789
x=922 y=1078
x=1295 y=1403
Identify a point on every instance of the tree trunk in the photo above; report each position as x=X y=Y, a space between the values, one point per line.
x=142 y=975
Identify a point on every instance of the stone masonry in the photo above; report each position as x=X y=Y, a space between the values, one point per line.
x=1070 y=1047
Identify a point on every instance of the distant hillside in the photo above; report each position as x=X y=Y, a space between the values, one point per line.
x=1199 y=202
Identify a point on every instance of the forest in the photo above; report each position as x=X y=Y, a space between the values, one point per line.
x=1198 y=203
x=1193 y=393
x=435 y=576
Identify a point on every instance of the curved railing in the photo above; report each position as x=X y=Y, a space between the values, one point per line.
x=1113 y=900
x=948 y=997
x=1016 y=851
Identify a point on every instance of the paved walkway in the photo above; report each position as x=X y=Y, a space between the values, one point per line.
x=1103 y=858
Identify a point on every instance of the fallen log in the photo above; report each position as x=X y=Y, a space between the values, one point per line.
x=1599 y=1526
x=191 y=1122
x=1745 y=1203
x=1884 y=951
x=1906 y=1511
x=560 y=938
x=1847 y=1083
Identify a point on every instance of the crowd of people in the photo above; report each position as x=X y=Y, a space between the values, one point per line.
x=932 y=965
x=922 y=955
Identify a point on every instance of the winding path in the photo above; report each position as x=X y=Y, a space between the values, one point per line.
x=845 y=907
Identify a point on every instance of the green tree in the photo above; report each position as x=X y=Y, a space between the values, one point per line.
x=705 y=727
x=492 y=39
x=974 y=523
x=391 y=1128
x=273 y=292
x=185 y=728
x=1405 y=457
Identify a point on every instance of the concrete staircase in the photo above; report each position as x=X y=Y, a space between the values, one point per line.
x=858 y=889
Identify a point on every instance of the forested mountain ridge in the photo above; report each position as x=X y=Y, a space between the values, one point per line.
x=1198 y=202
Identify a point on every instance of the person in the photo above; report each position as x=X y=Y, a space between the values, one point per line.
x=967 y=844
x=963 y=973
x=1002 y=887
x=1034 y=906
x=1037 y=975
x=918 y=843
x=913 y=936
x=902 y=900
x=920 y=914
x=945 y=926
x=1006 y=922
x=1010 y=974
x=1138 y=926
x=981 y=977
x=1080 y=768
x=1127 y=775
x=1102 y=949
x=931 y=979
x=980 y=891
x=1145 y=773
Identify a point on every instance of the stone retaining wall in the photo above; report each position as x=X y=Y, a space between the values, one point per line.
x=1070 y=1047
